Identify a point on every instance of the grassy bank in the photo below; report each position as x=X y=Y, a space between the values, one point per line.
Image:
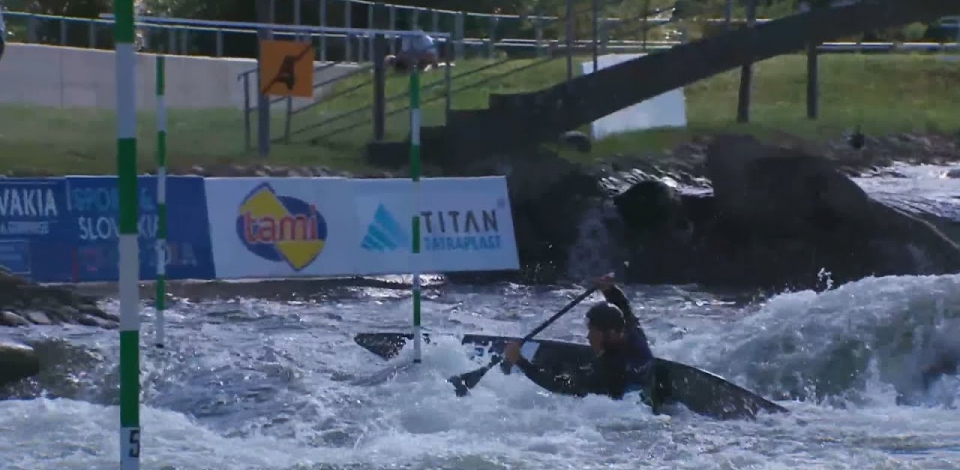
x=885 y=93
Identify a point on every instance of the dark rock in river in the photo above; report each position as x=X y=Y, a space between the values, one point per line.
x=17 y=362
x=778 y=217
x=23 y=303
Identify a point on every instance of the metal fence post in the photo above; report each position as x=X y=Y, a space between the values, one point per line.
x=379 y=88
x=746 y=71
x=264 y=15
x=447 y=80
x=323 y=35
x=492 y=37
x=594 y=5
x=458 y=33
x=246 y=111
x=348 y=22
x=569 y=40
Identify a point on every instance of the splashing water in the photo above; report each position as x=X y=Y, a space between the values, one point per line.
x=250 y=384
x=597 y=249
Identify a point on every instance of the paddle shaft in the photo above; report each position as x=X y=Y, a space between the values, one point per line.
x=573 y=303
x=464 y=382
x=556 y=316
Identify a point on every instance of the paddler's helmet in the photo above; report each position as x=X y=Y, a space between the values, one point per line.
x=605 y=316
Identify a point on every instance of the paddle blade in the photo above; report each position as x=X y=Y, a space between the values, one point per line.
x=385 y=345
x=464 y=382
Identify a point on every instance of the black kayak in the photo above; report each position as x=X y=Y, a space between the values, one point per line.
x=700 y=391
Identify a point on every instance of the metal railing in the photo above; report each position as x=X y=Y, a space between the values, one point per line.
x=324 y=132
x=357 y=47
x=301 y=32
x=321 y=82
x=289 y=111
x=448 y=81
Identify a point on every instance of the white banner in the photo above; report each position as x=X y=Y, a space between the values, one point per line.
x=280 y=227
x=289 y=227
x=465 y=225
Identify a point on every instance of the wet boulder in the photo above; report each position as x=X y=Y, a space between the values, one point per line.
x=17 y=362
x=779 y=216
x=781 y=192
x=662 y=227
x=24 y=303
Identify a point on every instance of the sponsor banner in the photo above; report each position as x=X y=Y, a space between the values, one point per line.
x=35 y=240
x=465 y=225
x=93 y=209
x=66 y=230
x=282 y=227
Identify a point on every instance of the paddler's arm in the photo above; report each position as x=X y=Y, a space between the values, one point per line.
x=635 y=333
x=614 y=295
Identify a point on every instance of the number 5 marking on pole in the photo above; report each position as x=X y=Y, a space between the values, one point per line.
x=131 y=443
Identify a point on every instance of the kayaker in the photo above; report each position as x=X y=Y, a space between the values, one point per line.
x=624 y=361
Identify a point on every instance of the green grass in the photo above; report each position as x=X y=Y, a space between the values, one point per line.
x=884 y=93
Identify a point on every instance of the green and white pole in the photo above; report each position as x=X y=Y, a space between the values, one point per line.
x=161 y=248
x=126 y=116
x=415 y=176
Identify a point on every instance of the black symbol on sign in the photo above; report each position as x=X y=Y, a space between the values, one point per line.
x=286 y=75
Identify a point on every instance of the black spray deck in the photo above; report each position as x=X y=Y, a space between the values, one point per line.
x=700 y=391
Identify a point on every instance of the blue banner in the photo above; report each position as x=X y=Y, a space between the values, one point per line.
x=93 y=208
x=36 y=242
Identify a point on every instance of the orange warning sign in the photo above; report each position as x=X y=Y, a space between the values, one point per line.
x=286 y=68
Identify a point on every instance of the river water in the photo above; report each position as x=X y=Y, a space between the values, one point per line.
x=254 y=384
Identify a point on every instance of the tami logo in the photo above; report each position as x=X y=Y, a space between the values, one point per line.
x=384 y=234
x=281 y=228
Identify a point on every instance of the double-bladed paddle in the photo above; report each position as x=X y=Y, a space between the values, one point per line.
x=464 y=382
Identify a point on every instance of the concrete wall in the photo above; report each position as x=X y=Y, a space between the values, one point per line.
x=68 y=77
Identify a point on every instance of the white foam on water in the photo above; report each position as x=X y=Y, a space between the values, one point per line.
x=68 y=434
x=415 y=421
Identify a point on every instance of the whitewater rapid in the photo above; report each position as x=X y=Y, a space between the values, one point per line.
x=254 y=384
x=263 y=385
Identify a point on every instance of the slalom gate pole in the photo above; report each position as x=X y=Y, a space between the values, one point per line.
x=415 y=231
x=125 y=57
x=161 y=247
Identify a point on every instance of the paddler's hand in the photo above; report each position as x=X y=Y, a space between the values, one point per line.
x=511 y=352
x=604 y=282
